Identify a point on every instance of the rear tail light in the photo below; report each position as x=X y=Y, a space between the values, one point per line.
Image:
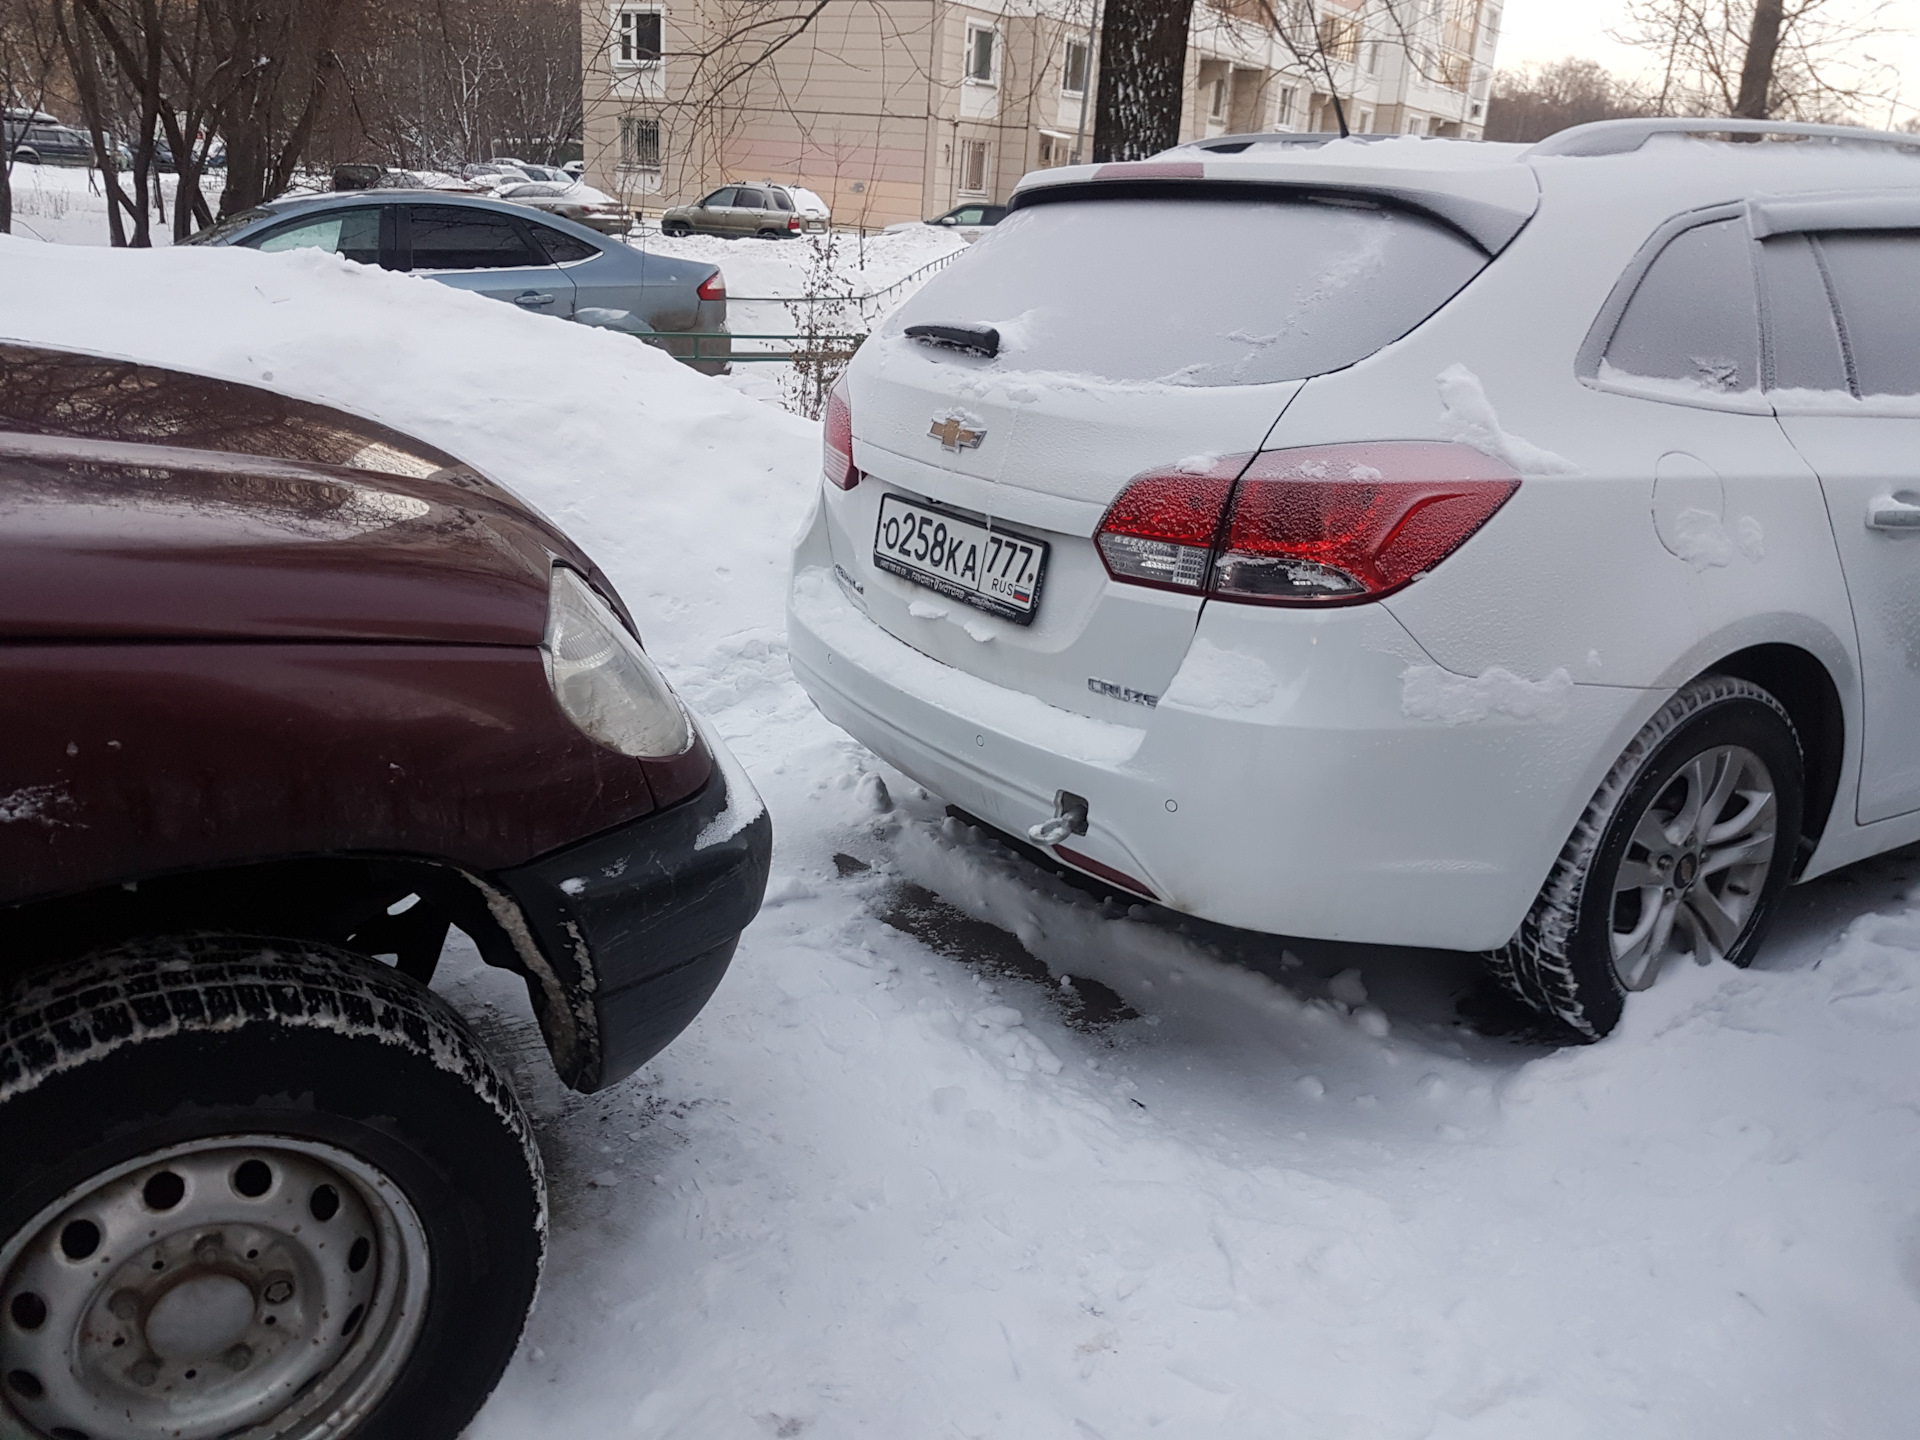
x=1333 y=524
x=1162 y=529
x=836 y=439
x=793 y=222
x=714 y=287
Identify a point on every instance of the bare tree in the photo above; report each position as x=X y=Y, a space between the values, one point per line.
x=1143 y=72
x=1760 y=59
x=29 y=56
x=1529 y=105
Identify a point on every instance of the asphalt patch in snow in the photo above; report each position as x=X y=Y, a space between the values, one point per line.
x=1085 y=1004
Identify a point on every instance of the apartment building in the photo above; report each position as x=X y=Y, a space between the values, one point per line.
x=900 y=109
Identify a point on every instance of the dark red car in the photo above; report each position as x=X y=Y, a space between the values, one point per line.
x=284 y=695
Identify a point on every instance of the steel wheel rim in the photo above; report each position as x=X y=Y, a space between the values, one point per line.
x=242 y=1282
x=1695 y=865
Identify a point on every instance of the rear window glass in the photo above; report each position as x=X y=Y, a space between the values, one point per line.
x=1198 y=292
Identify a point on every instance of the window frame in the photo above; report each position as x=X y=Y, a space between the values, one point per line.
x=619 y=39
x=630 y=126
x=1067 y=87
x=976 y=29
x=1219 y=99
x=969 y=149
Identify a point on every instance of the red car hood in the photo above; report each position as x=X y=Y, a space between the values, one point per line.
x=139 y=503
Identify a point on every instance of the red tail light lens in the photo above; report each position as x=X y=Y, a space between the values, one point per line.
x=1161 y=531
x=793 y=222
x=714 y=287
x=837 y=439
x=1334 y=524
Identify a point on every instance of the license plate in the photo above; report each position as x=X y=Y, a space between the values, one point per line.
x=993 y=570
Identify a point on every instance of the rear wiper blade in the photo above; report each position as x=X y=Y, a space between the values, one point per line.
x=973 y=339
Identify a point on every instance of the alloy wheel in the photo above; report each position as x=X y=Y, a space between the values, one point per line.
x=1695 y=865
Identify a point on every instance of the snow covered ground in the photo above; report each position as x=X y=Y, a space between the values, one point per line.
x=900 y=1181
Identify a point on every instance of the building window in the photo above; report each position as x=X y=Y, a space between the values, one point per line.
x=973 y=167
x=637 y=37
x=1284 y=116
x=1340 y=38
x=980 y=55
x=1364 y=126
x=1074 y=72
x=1217 y=101
x=639 y=143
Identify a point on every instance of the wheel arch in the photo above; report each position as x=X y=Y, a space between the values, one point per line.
x=347 y=901
x=1801 y=682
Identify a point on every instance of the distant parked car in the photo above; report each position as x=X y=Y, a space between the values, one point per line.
x=773 y=212
x=494 y=172
x=545 y=264
x=970 y=217
x=288 y=694
x=41 y=141
x=578 y=202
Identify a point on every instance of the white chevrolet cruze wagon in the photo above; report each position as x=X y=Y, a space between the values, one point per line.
x=1413 y=542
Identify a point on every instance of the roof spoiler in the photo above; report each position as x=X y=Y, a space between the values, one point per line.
x=1623 y=137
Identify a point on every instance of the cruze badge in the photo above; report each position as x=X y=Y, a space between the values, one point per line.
x=955 y=436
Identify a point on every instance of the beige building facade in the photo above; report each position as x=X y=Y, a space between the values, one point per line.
x=898 y=110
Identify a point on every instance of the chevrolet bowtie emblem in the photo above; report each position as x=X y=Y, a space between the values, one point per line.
x=955 y=436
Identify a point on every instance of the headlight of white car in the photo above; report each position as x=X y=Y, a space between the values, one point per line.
x=604 y=680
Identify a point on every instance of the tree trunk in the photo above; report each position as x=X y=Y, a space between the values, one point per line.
x=1143 y=71
x=1756 y=76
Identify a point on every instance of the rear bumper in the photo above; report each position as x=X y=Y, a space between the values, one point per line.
x=642 y=922
x=1281 y=785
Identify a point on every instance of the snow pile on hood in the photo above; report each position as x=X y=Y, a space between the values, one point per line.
x=634 y=455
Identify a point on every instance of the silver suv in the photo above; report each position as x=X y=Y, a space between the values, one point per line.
x=773 y=212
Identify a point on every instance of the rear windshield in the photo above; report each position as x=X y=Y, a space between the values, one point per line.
x=1200 y=291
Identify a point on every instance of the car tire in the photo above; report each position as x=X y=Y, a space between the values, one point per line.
x=255 y=1186
x=1642 y=874
x=675 y=232
x=26 y=157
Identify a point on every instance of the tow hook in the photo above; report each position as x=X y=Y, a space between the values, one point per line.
x=1069 y=818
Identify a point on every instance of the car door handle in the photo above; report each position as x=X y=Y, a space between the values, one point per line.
x=1893 y=512
x=533 y=298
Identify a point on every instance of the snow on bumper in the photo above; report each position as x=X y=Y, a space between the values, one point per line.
x=1294 y=779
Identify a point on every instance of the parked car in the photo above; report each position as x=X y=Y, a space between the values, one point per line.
x=287 y=695
x=574 y=201
x=42 y=141
x=770 y=211
x=496 y=171
x=971 y=217
x=1504 y=551
x=547 y=265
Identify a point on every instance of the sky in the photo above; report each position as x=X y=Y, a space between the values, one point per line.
x=1541 y=31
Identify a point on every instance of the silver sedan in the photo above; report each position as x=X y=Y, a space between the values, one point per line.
x=543 y=263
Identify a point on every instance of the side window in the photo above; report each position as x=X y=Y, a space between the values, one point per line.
x=447 y=237
x=561 y=249
x=723 y=196
x=1875 y=277
x=745 y=199
x=351 y=234
x=781 y=200
x=1803 y=342
x=1695 y=316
